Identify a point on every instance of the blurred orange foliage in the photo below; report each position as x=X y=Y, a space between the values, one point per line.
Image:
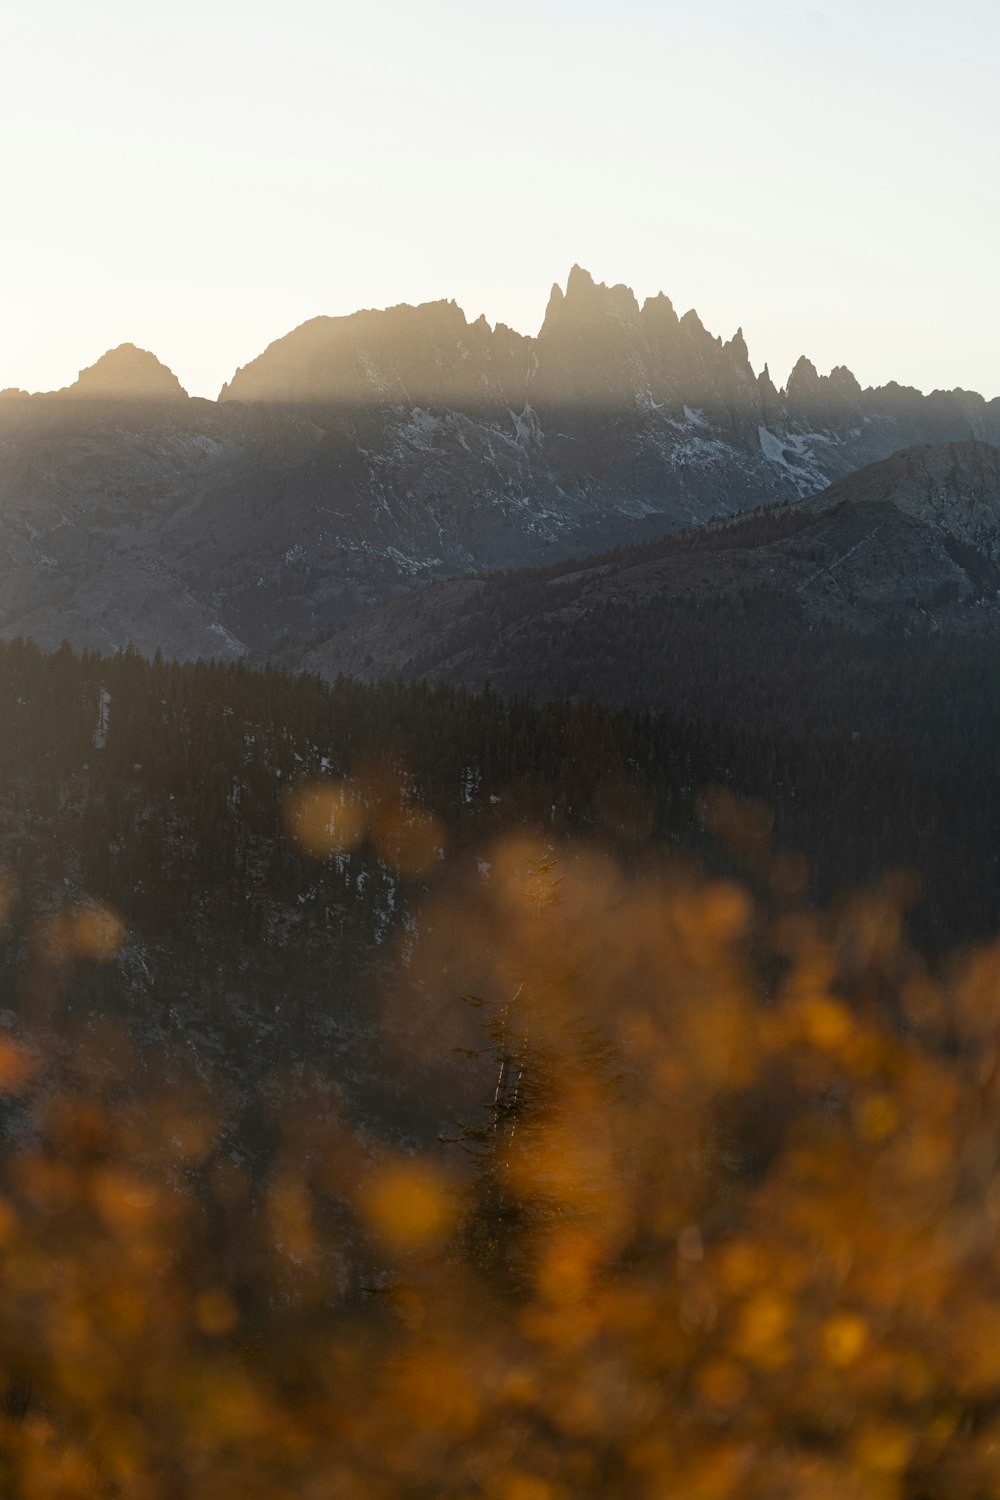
x=728 y=1224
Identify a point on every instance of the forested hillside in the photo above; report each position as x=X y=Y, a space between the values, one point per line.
x=163 y=790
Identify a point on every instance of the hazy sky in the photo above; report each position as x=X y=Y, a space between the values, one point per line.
x=199 y=177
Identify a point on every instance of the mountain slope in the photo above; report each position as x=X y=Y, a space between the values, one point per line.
x=359 y=457
x=913 y=541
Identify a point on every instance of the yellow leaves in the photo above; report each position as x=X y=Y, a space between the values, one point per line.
x=52 y=1472
x=526 y=881
x=825 y=1023
x=843 y=1339
x=711 y=917
x=943 y=1425
x=725 y=912
x=527 y=1487
x=716 y=1043
x=723 y=1383
x=435 y=1390
x=520 y=1387
x=561 y=1159
x=740 y=1264
x=126 y=1309
x=215 y=1312
x=876 y=1117
x=86 y=1360
x=763 y=1329
x=408 y=1204
x=49 y=1184
x=228 y=1407
x=690 y=1246
x=974 y=1339
x=123 y=1200
x=923 y=1003
x=8 y=1223
x=766 y=1228
x=89 y=931
x=714 y=1472
x=567 y=1265
x=977 y=992
x=882 y=1448
x=742 y=822
x=407 y=837
x=16 y=1067
x=324 y=818
x=98 y=933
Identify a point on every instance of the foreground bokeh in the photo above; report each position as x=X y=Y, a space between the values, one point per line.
x=725 y=1223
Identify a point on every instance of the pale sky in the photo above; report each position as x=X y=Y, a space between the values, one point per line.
x=201 y=177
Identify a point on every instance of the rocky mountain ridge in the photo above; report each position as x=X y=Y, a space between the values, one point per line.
x=359 y=457
x=910 y=543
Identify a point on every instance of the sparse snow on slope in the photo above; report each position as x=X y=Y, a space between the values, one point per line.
x=103 y=719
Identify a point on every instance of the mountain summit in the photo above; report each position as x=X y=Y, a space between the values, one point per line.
x=127 y=374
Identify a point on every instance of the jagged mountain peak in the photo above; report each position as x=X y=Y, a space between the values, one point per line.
x=599 y=351
x=590 y=300
x=580 y=282
x=660 y=302
x=659 y=316
x=556 y=299
x=691 y=320
x=804 y=375
x=127 y=373
x=737 y=350
x=845 y=381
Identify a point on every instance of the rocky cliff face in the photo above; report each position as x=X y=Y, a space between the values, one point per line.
x=360 y=456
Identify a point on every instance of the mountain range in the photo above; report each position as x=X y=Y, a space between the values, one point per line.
x=911 y=542
x=727 y=628
x=359 y=457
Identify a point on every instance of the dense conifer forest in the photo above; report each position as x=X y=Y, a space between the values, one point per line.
x=161 y=789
